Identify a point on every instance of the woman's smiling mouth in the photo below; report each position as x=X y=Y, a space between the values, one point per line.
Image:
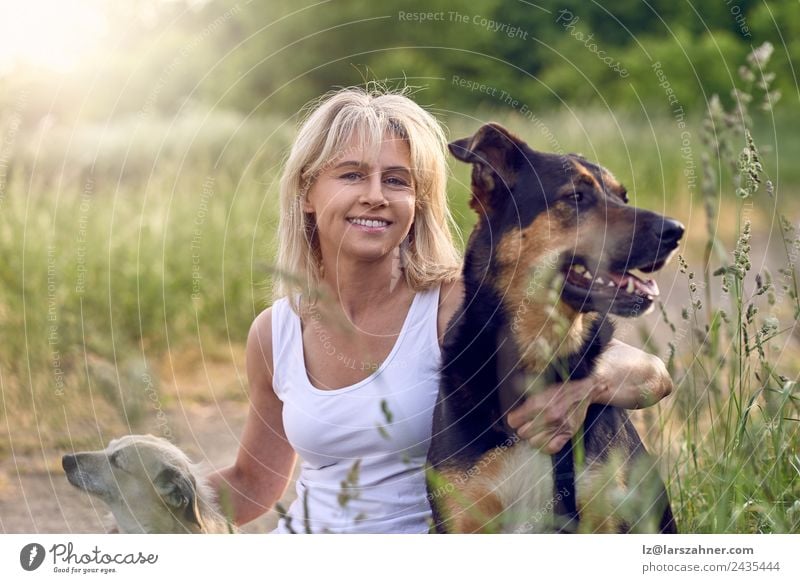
x=369 y=225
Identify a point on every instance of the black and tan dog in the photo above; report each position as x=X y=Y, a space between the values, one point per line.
x=542 y=213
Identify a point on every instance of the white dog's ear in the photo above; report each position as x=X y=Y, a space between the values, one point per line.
x=179 y=492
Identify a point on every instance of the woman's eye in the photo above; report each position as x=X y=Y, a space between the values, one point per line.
x=395 y=181
x=351 y=176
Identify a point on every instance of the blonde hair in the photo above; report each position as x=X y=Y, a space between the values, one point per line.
x=428 y=255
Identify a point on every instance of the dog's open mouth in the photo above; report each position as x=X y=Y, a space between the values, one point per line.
x=627 y=282
x=620 y=292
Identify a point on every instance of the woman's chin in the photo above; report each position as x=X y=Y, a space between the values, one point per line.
x=371 y=252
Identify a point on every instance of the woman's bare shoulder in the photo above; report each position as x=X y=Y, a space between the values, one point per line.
x=451 y=296
x=259 y=345
x=262 y=324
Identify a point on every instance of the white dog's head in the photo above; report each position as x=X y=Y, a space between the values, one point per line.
x=148 y=483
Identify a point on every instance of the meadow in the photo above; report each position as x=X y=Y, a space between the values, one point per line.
x=139 y=250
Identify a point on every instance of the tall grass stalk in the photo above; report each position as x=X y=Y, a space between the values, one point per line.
x=737 y=469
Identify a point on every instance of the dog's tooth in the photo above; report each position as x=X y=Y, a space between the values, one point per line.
x=578 y=268
x=587 y=275
x=611 y=284
x=599 y=280
x=630 y=286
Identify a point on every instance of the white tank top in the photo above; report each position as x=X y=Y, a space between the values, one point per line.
x=382 y=423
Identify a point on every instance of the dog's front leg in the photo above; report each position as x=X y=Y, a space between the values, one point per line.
x=472 y=508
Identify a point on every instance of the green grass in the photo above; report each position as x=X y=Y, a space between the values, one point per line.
x=104 y=232
x=735 y=463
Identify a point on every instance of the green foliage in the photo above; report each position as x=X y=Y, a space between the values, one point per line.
x=737 y=469
x=272 y=57
x=188 y=116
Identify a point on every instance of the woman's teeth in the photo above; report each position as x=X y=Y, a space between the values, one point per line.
x=369 y=222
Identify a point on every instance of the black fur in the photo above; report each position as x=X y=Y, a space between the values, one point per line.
x=469 y=416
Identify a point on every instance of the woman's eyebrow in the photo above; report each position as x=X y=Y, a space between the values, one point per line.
x=366 y=165
x=349 y=163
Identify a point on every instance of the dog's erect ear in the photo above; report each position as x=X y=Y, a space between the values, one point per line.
x=179 y=491
x=462 y=151
x=496 y=155
x=492 y=145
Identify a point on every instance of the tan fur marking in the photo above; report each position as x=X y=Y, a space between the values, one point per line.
x=609 y=182
x=523 y=256
x=584 y=175
x=599 y=486
x=482 y=518
x=472 y=506
x=482 y=187
x=594 y=506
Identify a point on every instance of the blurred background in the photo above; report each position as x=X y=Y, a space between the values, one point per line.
x=140 y=147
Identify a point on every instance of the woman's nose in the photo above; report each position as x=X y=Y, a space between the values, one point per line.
x=373 y=191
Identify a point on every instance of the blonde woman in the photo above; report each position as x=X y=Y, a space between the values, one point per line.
x=343 y=367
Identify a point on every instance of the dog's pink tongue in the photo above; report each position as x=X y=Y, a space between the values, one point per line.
x=649 y=287
x=621 y=279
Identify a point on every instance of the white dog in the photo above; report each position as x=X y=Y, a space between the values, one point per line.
x=150 y=486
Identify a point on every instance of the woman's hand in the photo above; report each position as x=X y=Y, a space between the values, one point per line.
x=624 y=377
x=548 y=419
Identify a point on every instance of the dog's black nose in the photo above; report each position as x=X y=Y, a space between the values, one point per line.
x=671 y=231
x=69 y=463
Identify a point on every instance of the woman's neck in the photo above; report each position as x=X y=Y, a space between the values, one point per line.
x=359 y=286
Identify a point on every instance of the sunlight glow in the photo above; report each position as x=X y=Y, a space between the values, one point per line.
x=52 y=34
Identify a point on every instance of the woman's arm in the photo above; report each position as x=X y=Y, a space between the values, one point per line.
x=625 y=377
x=629 y=378
x=264 y=464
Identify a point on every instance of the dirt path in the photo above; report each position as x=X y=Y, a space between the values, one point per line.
x=35 y=496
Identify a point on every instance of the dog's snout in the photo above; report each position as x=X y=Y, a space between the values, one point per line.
x=69 y=463
x=671 y=231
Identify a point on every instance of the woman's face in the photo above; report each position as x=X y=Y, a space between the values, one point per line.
x=363 y=202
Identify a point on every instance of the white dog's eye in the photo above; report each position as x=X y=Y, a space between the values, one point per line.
x=114 y=459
